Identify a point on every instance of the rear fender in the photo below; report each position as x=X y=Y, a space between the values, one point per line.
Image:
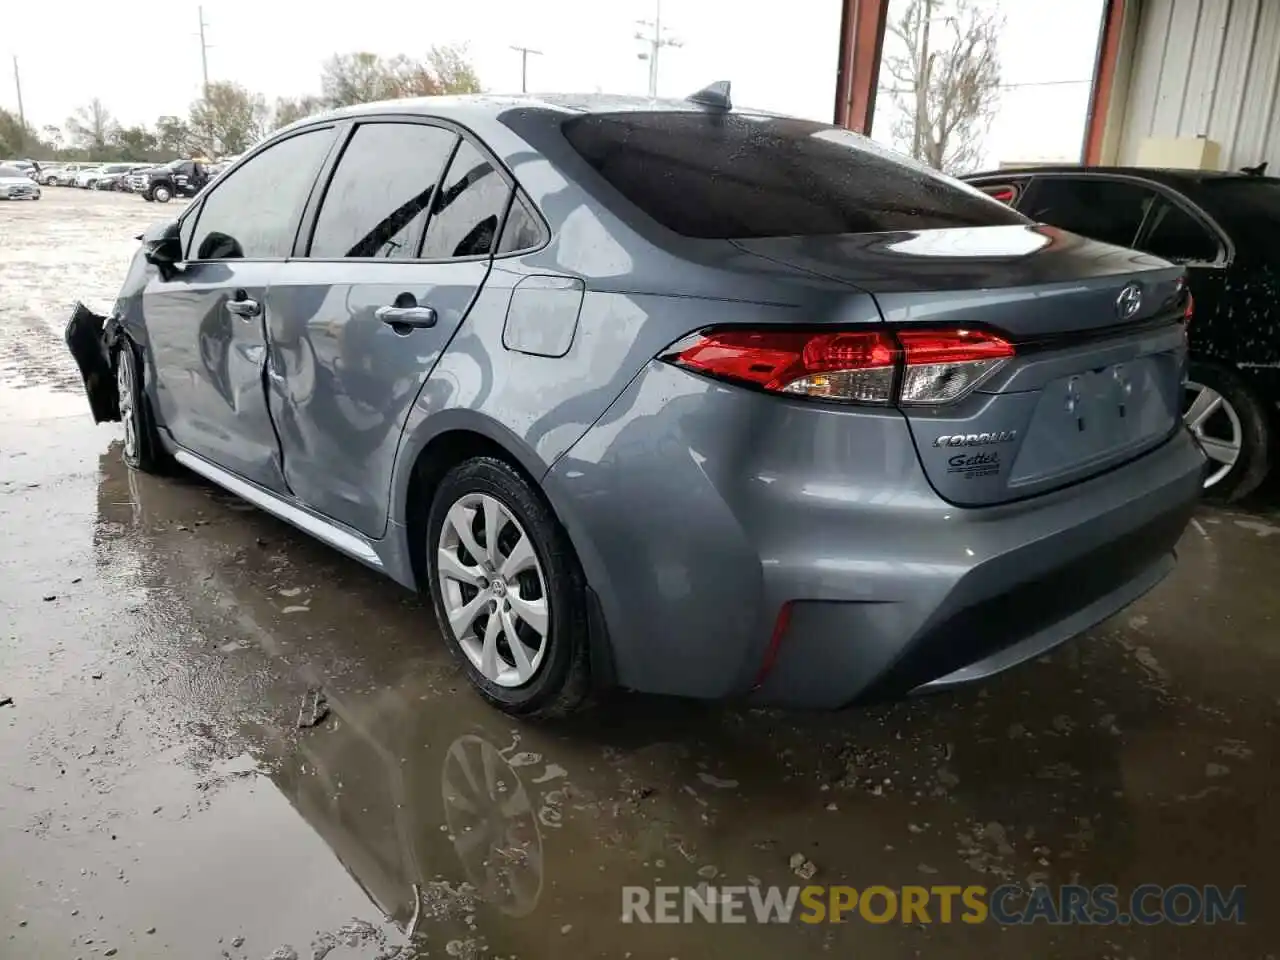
x=91 y=339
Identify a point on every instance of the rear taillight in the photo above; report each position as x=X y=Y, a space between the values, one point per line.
x=914 y=366
x=834 y=366
x=1189 y=310
x=944 y=365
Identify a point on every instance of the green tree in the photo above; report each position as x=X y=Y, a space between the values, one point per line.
x=15 y=140
x=289 y=109
x=173 y=136
x=133 y=143
x=228 y=119
x=452 y=70
x=363 y=77
x=91 y=127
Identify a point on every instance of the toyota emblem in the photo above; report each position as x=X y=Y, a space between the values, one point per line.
x=1129 y=302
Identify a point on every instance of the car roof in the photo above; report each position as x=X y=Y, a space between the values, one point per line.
x=1167 y=175
x=493 y=105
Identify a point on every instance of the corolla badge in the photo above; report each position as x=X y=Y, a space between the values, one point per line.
x=975 y=439
x=1129 y=302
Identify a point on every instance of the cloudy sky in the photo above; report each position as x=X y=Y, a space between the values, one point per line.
x=780 y=56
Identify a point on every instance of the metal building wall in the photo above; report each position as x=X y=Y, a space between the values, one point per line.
x=1207 y=67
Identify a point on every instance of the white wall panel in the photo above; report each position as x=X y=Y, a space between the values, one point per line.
x=1207 y=68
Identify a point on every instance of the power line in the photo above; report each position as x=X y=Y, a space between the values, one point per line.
x=524 y=65
x=1000 y=86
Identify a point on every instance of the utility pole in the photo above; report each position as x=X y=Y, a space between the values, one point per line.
x=204 y=52
x=655 y=41
x=524 y=65
x=22 y=115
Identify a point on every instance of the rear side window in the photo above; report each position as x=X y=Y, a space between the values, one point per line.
x=1106 y=210
x=738 y=176
x=1176 y=235
x=378 y=198
x=468 y=208
x=523 y=229
x=253 y=211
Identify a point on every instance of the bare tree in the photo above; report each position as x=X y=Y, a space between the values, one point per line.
x=349 y=78
x=51 y=134
x=90 y=126
x=453 y=71
x=289 y=109
x=947 y=83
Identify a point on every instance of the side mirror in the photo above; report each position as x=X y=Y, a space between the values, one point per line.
x=162 y=246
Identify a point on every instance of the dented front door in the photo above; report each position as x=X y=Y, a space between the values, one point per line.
x=206 y=328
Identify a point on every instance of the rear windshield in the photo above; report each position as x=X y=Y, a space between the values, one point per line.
x=1249 y=209
x=737 y=176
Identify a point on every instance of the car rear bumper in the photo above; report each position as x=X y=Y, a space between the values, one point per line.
x=701 y=512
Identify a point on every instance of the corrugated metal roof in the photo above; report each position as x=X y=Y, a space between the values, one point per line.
x=1207 y=68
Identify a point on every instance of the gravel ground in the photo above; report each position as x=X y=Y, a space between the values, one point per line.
x=158 y=799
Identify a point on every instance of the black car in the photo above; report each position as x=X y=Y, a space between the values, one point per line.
x=181 y=178
x=1221 y=226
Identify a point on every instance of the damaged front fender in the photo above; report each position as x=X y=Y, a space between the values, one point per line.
x=91 y=338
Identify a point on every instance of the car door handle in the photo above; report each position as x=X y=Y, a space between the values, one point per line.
x=244 y=308
x=419 y=317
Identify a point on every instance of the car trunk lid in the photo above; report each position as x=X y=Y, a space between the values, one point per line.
x=1099 y=344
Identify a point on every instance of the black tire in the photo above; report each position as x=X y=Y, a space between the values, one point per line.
x=161 y=194
x=142 y=448
x=147 y=197
x=561 y=682
x=1254 y=461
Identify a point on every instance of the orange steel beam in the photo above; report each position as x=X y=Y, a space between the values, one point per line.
x=861 y=40
x=1104 y=76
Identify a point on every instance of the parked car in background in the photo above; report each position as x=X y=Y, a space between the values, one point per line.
x=84 y=179
x=65 y=175
x=114 y=178
x=89 y=178
x=665 y=395
x=1222 y=227
x=181 y=178
x=16 y=184
x=29 y=168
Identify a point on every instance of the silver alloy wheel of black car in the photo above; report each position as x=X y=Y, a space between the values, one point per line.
x=125 y=388
x=1214 y=421
x=161 y=194
x=493 y=588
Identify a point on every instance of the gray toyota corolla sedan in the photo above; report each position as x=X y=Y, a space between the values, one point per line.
x=664 y=394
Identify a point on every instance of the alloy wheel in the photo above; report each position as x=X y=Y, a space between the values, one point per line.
x=124 y=387
x=493 y=825
x=1215 y=423
x=494 y=590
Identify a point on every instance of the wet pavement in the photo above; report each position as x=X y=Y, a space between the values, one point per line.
x=158 y=798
